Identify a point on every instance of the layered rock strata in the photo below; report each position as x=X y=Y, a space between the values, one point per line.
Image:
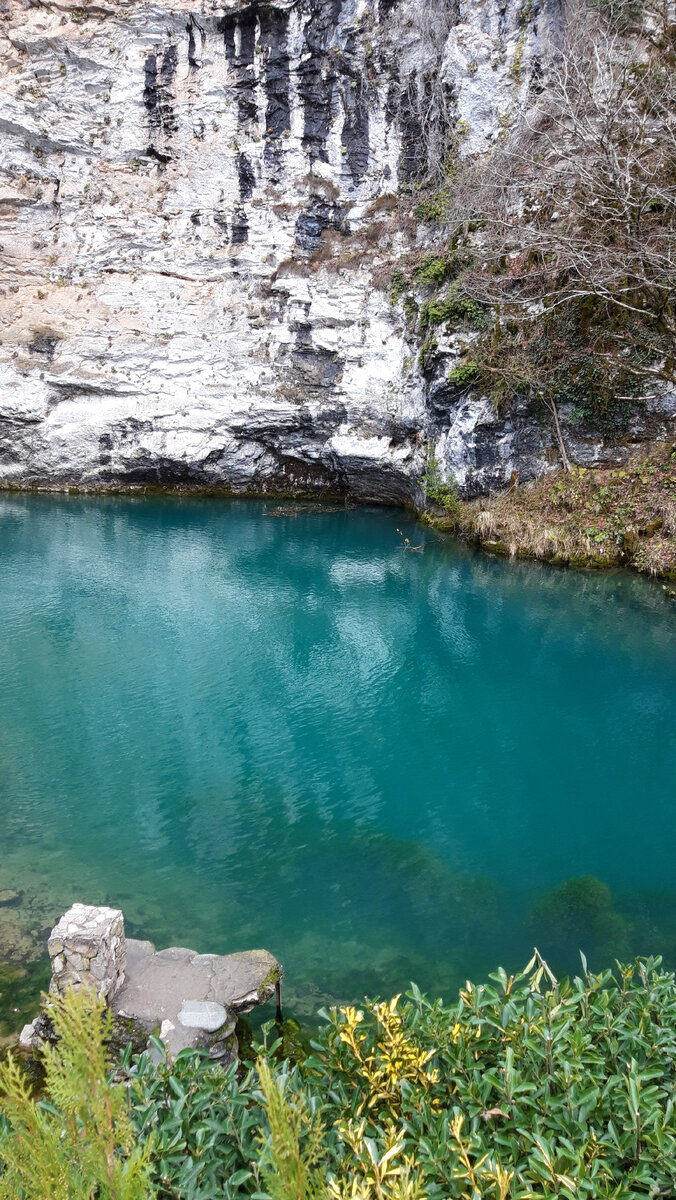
x=194 y=222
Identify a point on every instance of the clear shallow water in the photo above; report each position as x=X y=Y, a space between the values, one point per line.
x=250 y=730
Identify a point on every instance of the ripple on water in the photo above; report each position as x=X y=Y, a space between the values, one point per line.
x=292 y=733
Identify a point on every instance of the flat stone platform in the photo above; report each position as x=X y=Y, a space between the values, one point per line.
x=188 y=995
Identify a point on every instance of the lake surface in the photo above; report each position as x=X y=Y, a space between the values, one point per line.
x=248 y=729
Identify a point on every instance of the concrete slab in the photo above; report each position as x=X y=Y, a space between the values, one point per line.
x=158 y=984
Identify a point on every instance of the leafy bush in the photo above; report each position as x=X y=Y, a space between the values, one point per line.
x=455 y=308
x=292 y=1154
x=464 y=374
x=431 y=272
x=399 y=286
x=203 y=1122
x=525 y=1088
x=431 y=208
x=520 y=1089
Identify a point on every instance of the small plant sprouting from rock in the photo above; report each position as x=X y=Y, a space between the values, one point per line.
x=456 y=308
x=465 y=374
x=399 y=286
x=439 y=491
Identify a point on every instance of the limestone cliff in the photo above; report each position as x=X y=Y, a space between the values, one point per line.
x=193 y=200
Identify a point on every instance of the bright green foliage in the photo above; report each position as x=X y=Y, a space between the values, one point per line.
x=399 y=286
x=436 y=488
x=204 y=1122
x=291 y=1153
x=431 y=272
x=427 y=351
x=555 y=1089
x=455 y=309
x=464 y=374
x=525 y=1088
x=79 y=1143
x=430 y=209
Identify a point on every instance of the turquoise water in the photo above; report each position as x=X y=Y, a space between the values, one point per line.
x=247 y=729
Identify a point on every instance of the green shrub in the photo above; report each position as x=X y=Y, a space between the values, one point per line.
x=78 y=1143
x=437 y=489
x=398 y=287
x=204 y=1122
x=291 y=1153
x=431 y=272
x=525 y=1088
x=464 y=374
x=456 y=308
x=426 y=351
x=430 y=209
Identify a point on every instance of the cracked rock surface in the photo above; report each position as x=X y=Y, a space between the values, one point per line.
x=189 y=248
x=188 y=995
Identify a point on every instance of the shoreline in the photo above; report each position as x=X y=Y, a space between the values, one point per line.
x=598 y=519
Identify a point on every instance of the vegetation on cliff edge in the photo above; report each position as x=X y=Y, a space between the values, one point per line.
x=617 y=516
x=561 y=241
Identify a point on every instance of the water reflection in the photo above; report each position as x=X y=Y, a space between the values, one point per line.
x=292 y=733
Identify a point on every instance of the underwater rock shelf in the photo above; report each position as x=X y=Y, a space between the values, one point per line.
x=190 y=999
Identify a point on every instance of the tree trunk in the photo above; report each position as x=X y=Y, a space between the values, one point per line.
x=559 y=437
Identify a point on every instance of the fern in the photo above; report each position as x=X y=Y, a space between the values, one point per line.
x=292 y=1152
x=79 y=1142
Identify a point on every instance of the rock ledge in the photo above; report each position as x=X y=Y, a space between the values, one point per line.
x=189 y=999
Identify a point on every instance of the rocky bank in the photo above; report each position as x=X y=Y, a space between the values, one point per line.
x=187 y=999
x=196 y=203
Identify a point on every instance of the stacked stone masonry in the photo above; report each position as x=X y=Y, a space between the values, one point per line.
x=192 y=998
x=88 y=949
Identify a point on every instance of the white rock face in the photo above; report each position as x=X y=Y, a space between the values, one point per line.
x=88 y=949
x=190 y=252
